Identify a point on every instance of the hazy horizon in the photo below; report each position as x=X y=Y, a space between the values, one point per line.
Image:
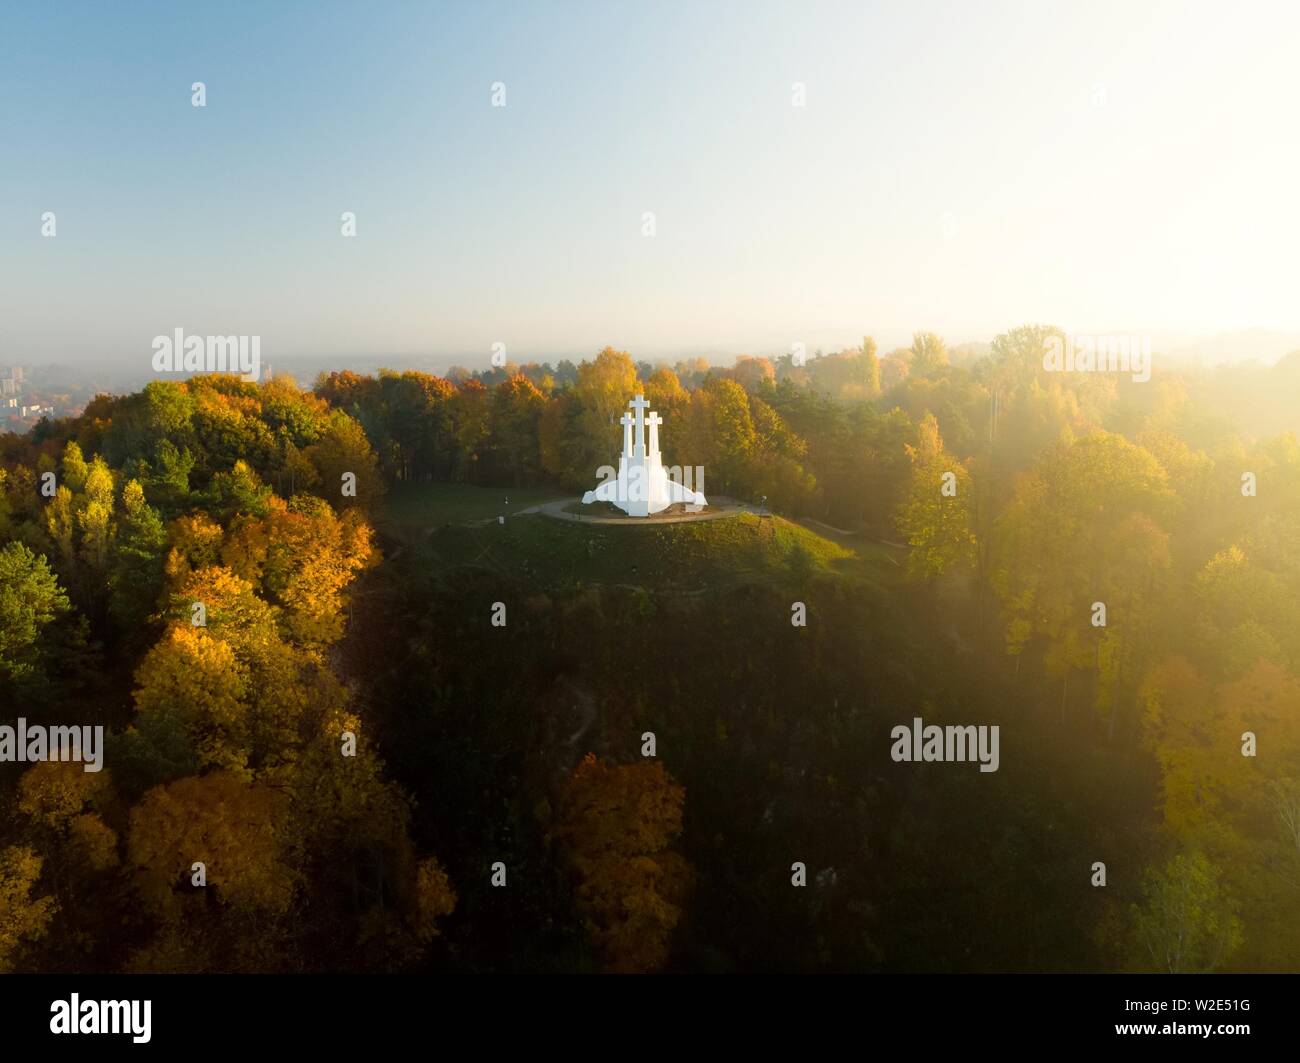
x=1260 y=346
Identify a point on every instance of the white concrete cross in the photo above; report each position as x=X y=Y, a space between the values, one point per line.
x=626 y=422
x=654 y=421
x=643 y=486
x=639 y=404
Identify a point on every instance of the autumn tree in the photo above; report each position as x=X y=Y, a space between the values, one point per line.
x=664 y=392
x=513 y=452
x=238 y=831
x=23 y=918
x=1054 y=562
x=618 y=823
x=936 y=515
x=928 y=353
x=354 y=827
x=344 y=449
x=601 y=395
x=312 y=555
x=752 y=373
x=66 y=815
x=1017 y=355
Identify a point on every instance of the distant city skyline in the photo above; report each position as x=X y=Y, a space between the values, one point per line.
x=1124 y=168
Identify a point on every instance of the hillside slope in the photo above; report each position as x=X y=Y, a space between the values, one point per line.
x=667 y=559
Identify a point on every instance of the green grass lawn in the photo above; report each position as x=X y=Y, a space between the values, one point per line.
x=668 y=558
x=411 y=509
x=444 y=522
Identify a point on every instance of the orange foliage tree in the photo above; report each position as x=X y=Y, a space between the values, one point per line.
x=618 y=823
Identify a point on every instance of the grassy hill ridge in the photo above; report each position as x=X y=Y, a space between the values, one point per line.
x=667 y=558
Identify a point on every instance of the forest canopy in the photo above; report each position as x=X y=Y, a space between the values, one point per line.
x=320 y=750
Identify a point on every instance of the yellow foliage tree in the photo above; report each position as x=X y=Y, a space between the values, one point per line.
x=195 y=542
x=23 y=918
x=235 y=828
x=192 y=675
x=618 y=823
x=434 y=898
x=53 y=792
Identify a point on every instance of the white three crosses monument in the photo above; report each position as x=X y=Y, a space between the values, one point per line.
x=642 y=486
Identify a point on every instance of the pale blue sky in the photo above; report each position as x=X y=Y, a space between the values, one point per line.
x=959 y=167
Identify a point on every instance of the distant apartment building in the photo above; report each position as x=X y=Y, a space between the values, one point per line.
x=17 y=410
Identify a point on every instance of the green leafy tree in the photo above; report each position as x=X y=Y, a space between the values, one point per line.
x=1187 y=922
x=30 y=600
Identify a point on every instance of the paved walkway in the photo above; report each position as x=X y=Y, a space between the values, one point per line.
x=719 y=507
